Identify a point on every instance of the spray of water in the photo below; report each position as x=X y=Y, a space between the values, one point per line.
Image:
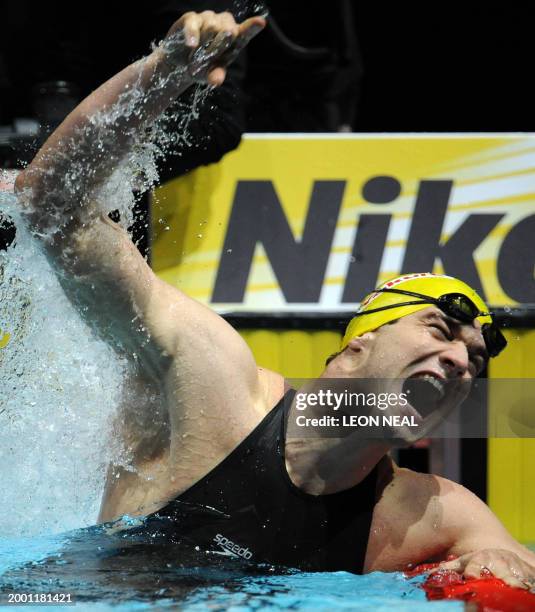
x=242 y=9
x=61 y=387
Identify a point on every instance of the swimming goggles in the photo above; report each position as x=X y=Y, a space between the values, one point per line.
x=454 y=305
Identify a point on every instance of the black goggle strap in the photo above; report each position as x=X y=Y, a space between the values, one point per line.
x=404 y=292
x=494 y=339
x=390 y=306
x=448 y=300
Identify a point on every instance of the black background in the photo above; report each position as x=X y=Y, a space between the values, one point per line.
x=450 y=68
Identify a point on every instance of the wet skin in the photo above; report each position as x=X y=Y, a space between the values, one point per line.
x=212 y=394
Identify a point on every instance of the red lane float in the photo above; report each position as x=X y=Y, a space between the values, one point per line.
x=488 y=593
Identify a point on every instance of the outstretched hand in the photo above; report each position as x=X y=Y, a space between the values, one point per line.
x=499 y=563
x=204 y=44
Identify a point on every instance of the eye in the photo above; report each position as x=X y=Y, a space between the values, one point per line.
x=478 y=362
x=443 y=331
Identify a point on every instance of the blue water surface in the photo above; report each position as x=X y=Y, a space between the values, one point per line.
x=120 y=571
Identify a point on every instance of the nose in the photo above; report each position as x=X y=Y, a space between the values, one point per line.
x=454 y=359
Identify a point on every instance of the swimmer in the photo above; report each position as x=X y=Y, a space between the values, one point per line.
x=226 y=479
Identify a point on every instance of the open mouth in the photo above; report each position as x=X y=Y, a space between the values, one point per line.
x=425 y=392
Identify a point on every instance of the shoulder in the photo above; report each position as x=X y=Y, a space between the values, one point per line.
x=427 y=497
x=413 y=520
x=273 y=387
x=405 y=493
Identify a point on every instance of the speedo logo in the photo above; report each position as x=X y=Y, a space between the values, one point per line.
x=232 y=547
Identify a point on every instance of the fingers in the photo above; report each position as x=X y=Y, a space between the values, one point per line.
x=220 y=23
x=508 y=571
x=206 y=56
x=246 y=32
x=222 y=39
x=216 y=76
x=191 y=29
x=209 y=52
x=250 y=28
x=237 y=36
x=457 y=565
x=208 y=42
x=500 y=564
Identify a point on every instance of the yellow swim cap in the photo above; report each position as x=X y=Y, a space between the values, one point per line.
x=432 y=285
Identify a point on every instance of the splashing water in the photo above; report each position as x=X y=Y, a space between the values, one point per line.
x=242 y=9
x=60 y=386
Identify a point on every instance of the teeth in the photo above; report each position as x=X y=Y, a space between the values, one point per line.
x=437 y=384
x=425 y=398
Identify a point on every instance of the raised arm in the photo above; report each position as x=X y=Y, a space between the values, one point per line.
x=104 y=127
x=61 y=190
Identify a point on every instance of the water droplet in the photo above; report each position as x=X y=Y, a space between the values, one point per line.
x=199 y=235
x=229 y=251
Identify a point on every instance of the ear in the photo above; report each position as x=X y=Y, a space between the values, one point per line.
x=359 y=343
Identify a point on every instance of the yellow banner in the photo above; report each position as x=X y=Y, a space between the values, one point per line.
x=307 y=222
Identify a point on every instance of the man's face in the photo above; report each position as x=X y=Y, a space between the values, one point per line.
x=432 y=355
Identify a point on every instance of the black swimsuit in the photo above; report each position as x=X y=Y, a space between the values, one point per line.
x=247 y=507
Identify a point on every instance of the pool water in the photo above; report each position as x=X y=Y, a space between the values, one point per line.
x=132 y=571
